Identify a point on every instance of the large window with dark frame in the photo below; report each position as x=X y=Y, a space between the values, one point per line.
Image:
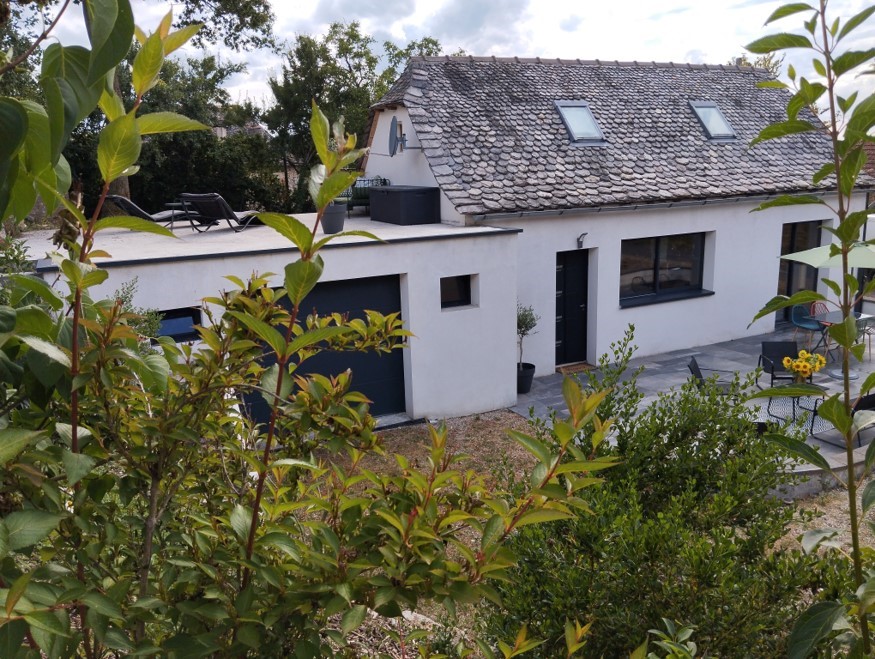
x=661 y=268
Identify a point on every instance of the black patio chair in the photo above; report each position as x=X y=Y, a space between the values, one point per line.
x=128 y=207
x=209 y=209
x=772 y=361
x=723 y=388
x=864 y=403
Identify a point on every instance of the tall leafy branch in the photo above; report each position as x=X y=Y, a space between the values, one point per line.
x=848 y=121
x=140 y=511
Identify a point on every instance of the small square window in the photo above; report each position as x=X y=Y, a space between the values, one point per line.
x=712 y=120
x=455 y=291
x=580 y=122
x=179 y=324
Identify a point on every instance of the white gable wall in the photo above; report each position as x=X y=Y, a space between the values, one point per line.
x=408 y=167
x=741 y=268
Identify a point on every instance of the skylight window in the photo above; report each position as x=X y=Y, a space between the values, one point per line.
x=715 y=124
x=580 y=122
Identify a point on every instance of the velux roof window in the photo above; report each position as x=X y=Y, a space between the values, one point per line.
x=580 y=123
x=715 y=124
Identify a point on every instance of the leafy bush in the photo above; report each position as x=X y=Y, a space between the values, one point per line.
x=683 y=528
x=140 y=512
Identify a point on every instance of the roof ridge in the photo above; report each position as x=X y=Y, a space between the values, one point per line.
x=492 y=59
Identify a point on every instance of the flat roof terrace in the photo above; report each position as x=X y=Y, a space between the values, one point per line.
x=131 y=247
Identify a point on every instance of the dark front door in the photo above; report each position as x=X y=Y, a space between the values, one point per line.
x=571 y=286
x=380 y=377
x=793 y=276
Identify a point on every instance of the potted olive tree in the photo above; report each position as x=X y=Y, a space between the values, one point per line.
x=526 y=319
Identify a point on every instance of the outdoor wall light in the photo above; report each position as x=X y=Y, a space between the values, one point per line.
x=580 y=240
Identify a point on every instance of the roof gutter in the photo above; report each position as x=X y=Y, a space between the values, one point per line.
x=491 y=217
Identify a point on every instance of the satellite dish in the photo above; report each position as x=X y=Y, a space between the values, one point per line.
x=393 y=136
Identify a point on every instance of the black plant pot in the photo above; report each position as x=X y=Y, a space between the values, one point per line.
x=525 y=372
x=332 y=218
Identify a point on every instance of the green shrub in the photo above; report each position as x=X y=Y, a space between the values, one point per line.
x=683 y=528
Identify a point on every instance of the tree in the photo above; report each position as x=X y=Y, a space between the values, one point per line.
x=140 y=512
x=771 y=62
x=16 y=35
x=396 y=58
x=848 y=121
x=340 y=71
x=239 y=24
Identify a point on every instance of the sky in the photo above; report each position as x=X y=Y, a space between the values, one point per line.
x=695 y=31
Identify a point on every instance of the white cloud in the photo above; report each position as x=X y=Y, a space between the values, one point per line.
x=713 y=32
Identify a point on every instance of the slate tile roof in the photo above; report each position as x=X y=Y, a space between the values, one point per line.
x=496 y=143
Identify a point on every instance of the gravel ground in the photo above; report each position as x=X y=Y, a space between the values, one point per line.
x=831 y=509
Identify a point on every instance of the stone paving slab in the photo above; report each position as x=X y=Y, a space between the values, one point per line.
x=668 y=371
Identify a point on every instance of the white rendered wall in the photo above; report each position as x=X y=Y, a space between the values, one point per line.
x=407 y=167
x=741 y=267
x=460 y=361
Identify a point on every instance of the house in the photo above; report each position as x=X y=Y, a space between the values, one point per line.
x=601 y=193
x=632 y=185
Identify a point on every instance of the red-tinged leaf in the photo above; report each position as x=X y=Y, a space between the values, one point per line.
x=15 y=592
x=492 y=531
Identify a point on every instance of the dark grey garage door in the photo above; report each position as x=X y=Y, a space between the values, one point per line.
x=380 y=377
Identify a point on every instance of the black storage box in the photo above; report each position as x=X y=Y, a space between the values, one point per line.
x=405 y=204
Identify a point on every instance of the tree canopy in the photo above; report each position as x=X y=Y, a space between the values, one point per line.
x=341 y=72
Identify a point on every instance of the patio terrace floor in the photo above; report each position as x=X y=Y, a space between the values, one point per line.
x=663 y=372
